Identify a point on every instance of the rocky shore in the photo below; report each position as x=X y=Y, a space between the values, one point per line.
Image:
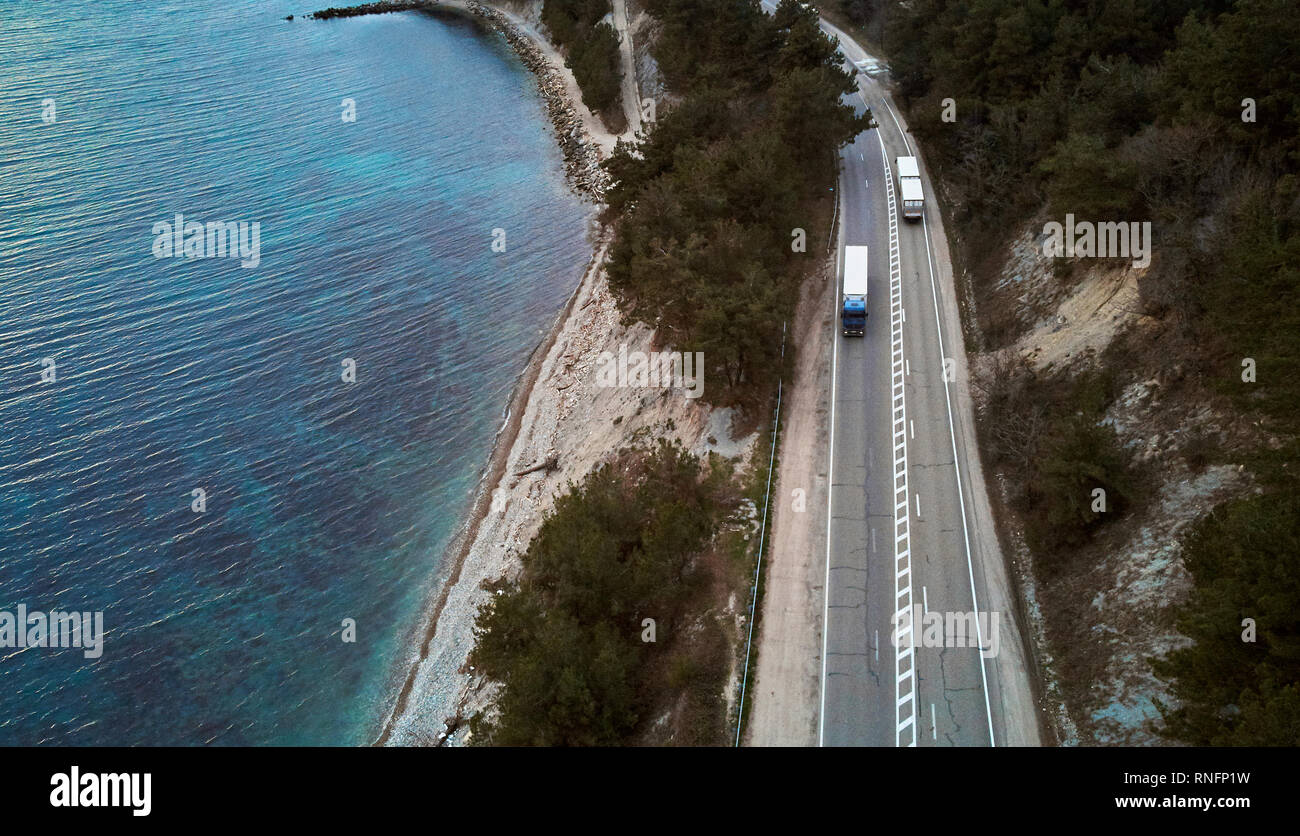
x=564 y=424
x=582 y=156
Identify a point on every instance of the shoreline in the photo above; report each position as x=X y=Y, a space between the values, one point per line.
x=559 y=425
x=584 y=176
x=569 y=425
x=502 y=447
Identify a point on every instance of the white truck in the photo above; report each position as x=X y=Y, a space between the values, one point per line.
x=909 y=187
x=853 y=310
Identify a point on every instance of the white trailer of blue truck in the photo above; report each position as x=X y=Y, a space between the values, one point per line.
x=853 y=308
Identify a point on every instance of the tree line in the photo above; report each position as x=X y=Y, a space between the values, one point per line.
x=593 y=634
x=711 y=202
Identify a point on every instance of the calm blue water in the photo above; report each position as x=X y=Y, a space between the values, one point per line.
x=325 y=500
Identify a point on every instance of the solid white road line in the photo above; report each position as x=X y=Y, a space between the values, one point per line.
x=961 y=497
x=951 y=429
x=904 y=538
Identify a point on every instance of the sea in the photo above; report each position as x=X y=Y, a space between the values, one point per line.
x=251 y=463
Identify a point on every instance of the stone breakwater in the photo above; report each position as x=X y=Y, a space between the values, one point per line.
x=581 y=155
x=370 y=9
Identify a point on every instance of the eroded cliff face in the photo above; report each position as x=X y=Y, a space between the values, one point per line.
x=1102 y=609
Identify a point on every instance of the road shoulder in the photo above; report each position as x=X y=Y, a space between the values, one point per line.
x=787 y=686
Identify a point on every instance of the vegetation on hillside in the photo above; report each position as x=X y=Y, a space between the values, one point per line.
x=1235 y=688
x=1046 y=433
x=1132 y=110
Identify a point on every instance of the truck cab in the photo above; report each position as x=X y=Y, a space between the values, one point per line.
x=853 y=316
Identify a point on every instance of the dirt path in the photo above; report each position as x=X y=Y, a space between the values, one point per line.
x=631 y=96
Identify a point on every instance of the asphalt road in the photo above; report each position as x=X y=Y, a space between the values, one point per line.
x=908 y=522
x=895 y=542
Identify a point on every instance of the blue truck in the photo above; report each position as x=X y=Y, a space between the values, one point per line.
x=853 y=310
